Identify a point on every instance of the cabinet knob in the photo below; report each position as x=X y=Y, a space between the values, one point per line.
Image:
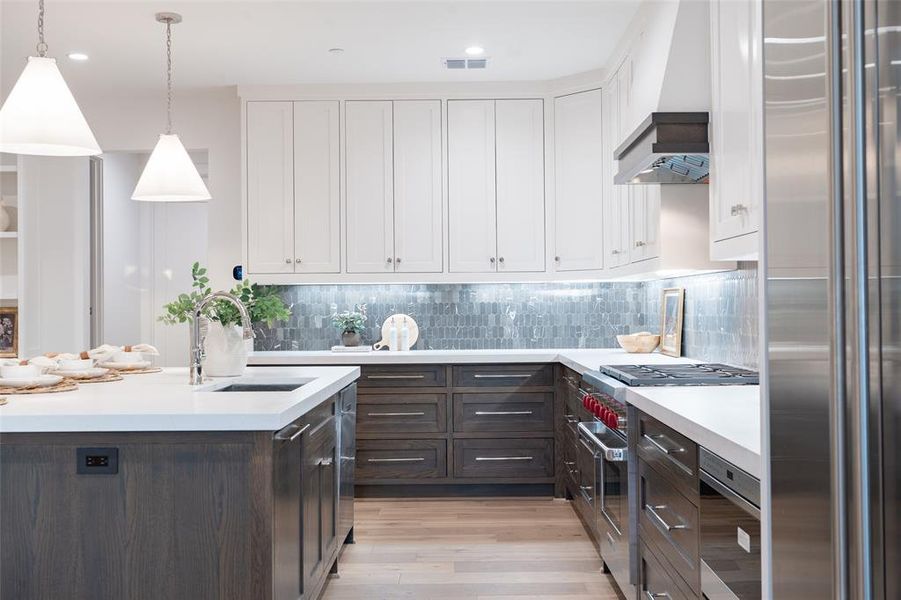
x=297 y=260
x=390 y=260
x=397 y=260
x=501 y=259
x=639 y=244
x=738 y=209
x=287 y=261
x=556 y=259
x=491 y=260
x=614 y=252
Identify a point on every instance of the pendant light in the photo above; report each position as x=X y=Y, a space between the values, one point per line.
x=170 y=175
x=40 y=115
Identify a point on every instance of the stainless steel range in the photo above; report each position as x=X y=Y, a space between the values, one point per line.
x=687 y=374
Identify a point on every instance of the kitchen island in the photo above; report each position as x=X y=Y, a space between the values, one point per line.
x=149 y=488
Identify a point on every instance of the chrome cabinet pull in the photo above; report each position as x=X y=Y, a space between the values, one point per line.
x=396 y=414
x=661 y=447
x=556 y=259
x=326 y=462
x=653 y=510
x=502 y=458
x=397 y=260
x=502 y=412
x=491 y=260
x=283 y=435
x=654 y=596
x=586 y=487
x=500 y=260
x=502 y=375
x=737 y=209
x=395 y=460
x=610 y=539
x=287 y=261
x=298 y=261
x=568 y=463
x=614 y=252
x=395 y=377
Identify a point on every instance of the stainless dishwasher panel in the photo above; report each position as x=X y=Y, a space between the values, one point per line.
x=347 y=444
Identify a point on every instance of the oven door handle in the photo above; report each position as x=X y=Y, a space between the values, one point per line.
x=734 y=498
x=610 y=454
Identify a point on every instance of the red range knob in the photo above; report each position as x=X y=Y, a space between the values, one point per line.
x=602 y=412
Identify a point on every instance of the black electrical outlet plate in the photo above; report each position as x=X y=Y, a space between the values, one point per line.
x=97 y=461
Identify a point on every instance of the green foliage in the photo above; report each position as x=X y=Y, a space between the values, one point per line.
x=351 y=321
x=262 y=302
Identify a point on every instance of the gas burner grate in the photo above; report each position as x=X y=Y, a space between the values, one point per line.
x=686 y=374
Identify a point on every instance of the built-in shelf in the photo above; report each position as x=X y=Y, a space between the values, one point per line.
x=9 y=235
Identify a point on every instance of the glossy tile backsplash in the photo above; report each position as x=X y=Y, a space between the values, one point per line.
x=720 y=314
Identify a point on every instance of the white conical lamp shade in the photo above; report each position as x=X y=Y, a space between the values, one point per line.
x=41 y=117
x=170 y=175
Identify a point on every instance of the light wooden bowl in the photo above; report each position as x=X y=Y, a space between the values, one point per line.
x=642 y=342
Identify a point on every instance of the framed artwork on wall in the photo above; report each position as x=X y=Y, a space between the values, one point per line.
x=672 y=305
x=9 y=332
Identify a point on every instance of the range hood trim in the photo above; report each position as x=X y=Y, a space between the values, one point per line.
x=662 y=135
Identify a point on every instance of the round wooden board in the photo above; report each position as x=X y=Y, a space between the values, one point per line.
x=398 y=322
x=139 y=371
x=111 y=376
x=66 y=385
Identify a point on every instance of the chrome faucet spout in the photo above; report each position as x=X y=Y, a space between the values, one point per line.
x=197 y=339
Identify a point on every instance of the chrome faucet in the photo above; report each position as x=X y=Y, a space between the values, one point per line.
x=197 y=351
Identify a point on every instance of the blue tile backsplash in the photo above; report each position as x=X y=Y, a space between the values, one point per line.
x=720 y=314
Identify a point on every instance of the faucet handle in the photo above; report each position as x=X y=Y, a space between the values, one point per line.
x=248 y=332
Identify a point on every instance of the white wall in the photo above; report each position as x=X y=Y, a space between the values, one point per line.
x=208 y=120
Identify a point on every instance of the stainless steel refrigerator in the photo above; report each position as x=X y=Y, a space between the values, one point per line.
x=833 y=297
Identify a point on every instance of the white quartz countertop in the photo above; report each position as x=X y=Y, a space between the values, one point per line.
x=166 y=402
x=723 y=419
x=580 y=360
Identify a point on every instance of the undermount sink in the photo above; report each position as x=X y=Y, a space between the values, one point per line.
x=261 y=387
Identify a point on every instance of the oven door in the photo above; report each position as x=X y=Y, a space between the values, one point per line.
x=730 y=543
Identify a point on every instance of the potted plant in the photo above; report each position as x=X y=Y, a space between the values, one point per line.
x=351 y=323
x=226 y=350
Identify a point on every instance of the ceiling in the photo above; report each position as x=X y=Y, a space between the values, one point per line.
x=268 y=43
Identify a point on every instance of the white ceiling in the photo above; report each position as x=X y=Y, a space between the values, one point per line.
x=265 y=43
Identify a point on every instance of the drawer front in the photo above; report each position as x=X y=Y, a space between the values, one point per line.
x=512 y=411
x=402 y=413
x=570 y=461
x=656 y=581
x=503 y=375
x=513 y=458
x=669 y=521
x=394 y=376
x=671 y=453
x=317 y=417
x=401 y=459
x=587 y=472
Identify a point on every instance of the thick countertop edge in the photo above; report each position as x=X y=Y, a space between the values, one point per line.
x=730 y=450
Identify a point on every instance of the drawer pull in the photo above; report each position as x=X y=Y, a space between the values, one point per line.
x=481 y=413
x=587 y=488
x=653 y=510
x=502 y=458
x=396 y=414
x=654 y=596
x=610 y=540
x=326 y=462
x=669 y=452
x=284 y=436
x=395 y=460
x=502 y=375
x=569 y=463
x=395 y=377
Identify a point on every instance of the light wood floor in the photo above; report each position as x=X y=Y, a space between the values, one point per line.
x=477 y=549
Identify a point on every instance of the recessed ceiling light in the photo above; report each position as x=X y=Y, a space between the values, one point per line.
x=79 y=56
x=336 y=50
x=475 y=50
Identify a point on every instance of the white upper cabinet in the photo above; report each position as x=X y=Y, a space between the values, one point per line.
x=369 y=184
x=580 y=160
x=270 y=187
x=418 y=209
x=736 y=131
x=471 y=181
x=645 y=221
x=617 y=198
x=317 y=209
x=519 y=128
x=625 y=117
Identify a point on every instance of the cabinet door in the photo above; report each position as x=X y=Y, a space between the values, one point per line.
x=579 y=160
x=270 y=187
x=471 y=186
x=617 y=232
x=644 y=204
x=736 y=174
x=313 y=552
x=519 y=143
x=317 y=238
x=287 y=469
x=624 y=100
x=369 y=181
x=418 y=222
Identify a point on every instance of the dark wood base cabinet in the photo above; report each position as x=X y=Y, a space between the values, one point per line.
x=176 y=516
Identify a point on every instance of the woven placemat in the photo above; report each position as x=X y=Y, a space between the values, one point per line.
x=139 y=371
x=112 y=375
x=66 y=385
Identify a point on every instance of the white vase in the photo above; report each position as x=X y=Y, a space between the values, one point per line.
x=226 y=351
x=5 y=219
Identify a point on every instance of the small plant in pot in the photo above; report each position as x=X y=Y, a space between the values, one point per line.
x=351 y=323
x=225 y=347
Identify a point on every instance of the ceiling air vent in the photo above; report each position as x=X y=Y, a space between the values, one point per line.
x=465 y=63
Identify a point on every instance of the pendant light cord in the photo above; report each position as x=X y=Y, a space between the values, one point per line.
x=42 y=45
x=168 y=76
